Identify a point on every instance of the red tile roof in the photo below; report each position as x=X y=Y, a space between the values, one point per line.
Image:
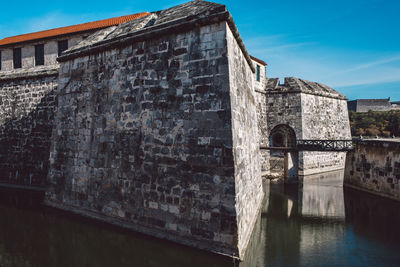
x=258 y=60
x=71 y=29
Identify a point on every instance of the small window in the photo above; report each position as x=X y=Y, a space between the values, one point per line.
x=258 y=73
x=62 y=46
x=39 y=54
x=17 y=58
x=0 y=60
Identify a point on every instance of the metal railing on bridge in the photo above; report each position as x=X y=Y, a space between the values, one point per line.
x=324 y=145
x=316 y=145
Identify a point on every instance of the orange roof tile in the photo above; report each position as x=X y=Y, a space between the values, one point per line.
x=71 y=29
x=258 y=60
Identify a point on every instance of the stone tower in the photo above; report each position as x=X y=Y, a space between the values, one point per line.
x=304 y=110
x=155 y=129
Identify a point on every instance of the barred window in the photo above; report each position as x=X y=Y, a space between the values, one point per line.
x=17 y=58
x=39 y=54
x=62 y=46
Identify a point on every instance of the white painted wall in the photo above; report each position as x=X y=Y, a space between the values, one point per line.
x=28 y=51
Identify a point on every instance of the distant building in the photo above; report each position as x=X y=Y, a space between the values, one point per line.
x=395 y=105
x=365 y=105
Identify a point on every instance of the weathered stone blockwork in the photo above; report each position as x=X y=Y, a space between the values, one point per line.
x=246 y=142
x=313 y=111
x=260 y=100
x=144 y=140
x=323 y=118
x=374 y=166
x=26 y=119
x=283 y=109
x=157 y=126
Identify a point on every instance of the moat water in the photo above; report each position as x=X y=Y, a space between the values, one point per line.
x=317 y=224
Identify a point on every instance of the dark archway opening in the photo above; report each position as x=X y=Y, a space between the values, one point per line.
x=278 y=140
x=283 y=162
x=282 y=136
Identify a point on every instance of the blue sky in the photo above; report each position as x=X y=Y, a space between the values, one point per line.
x=352 y=46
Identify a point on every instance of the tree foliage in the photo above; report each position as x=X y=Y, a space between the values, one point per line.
x=375 y=123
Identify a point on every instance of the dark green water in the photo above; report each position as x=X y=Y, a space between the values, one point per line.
x=315 y=225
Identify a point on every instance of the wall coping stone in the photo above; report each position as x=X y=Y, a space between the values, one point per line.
x=35 y=72
x=395 y=142
x=294 y=85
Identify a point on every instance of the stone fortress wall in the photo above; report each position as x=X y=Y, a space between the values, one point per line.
x=282 y=110
x=246 y=140
x=374 y=166
x=323 y=118
x=28 y=100
x=158 y=135
x=27 y=104
x=259 y=89
x=26 y=113
x=155 y=125
x=314 y=112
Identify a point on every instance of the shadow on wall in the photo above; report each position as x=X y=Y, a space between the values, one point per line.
x=25 y=145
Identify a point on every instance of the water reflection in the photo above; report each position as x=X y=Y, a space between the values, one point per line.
x=32 y=235
x=322 y=195
x=321 y=223
x=315 y=224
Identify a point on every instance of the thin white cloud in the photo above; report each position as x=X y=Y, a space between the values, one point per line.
x=279 y=48
x=336 y=68
x=383 y=75
x=267 y=44
x=49 y=21
x=372 y=64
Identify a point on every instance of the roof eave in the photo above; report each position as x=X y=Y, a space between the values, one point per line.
x=5 y=46
x=258 y=60
x=69 y=30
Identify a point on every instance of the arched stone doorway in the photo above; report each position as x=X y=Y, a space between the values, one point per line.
x=282 y=136
x=284 y=161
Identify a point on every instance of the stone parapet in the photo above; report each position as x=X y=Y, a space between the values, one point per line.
x=30 y=73
x=374 y=166
x=296 y=85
